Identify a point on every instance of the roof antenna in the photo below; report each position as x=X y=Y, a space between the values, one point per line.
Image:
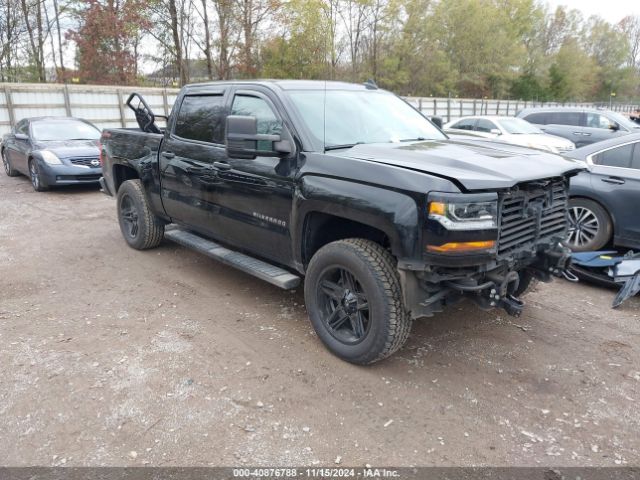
x=371 y=84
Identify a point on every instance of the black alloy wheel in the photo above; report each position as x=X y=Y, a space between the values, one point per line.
x=344 y=305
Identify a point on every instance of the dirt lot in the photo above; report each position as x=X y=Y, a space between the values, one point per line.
x=116 y=357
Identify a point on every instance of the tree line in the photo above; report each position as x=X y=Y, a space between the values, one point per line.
x=469 y=48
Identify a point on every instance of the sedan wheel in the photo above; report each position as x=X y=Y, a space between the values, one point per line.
x=7 y=165
x=589 y=225
x=34 y=174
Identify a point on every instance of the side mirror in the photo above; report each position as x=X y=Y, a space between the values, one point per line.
x=495 y=131
x=615 y=126
x=21 y=136
x=243 y=140
x=437 y=121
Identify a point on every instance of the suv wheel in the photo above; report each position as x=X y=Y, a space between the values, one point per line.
x=353 y=296
x=590 y=226
x=140 y=227
x=7 y=165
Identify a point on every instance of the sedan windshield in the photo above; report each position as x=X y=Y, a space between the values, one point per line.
x=49 y=130
x=517 y=126
x=360 y=116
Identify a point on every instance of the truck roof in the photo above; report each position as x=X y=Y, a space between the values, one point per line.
x=285 y=84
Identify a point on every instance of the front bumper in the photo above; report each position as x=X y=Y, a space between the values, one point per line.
x=489 y=285
x=52 y=175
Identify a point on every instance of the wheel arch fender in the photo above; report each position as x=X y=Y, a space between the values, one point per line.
x=393 y=213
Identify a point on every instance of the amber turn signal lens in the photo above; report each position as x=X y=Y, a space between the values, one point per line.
x=462 y=246
x=437 y=208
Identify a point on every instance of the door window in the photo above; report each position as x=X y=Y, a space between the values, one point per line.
x=595 y=120
x=201 y=118
x=635 y=161
x=564 y=118
x=268 y=122
x=466 y=124
x=538 y=118
x=485 y=126
x=615 y=157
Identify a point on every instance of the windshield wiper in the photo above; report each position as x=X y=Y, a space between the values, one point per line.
x=339 y=147
x=417 y=139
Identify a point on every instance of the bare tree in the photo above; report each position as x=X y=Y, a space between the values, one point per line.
x=630 y=26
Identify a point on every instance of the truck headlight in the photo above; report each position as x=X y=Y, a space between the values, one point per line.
x=50 y=157
x=464 y=215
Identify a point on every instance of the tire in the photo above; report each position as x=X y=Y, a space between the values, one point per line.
x=590 y=226
x=7 y=165
x=353 y=286
x=139 y=226
x=527 y=281
x=35 y=177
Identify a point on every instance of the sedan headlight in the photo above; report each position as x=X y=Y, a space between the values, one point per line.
x=50 y=157
x=459 y=214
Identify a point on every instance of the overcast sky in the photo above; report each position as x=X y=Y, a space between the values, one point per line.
x=611 y=10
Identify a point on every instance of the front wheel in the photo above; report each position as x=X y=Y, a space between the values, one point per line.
x=353 y=296
x=36 y=178
x=139 y=226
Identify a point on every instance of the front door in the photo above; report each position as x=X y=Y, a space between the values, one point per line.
x=255 y=196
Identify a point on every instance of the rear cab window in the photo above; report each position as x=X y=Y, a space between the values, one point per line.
x=201 y=118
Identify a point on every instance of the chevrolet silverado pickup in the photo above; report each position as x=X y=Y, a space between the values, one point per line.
x=352 y=189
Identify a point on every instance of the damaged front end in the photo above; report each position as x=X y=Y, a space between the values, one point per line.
x=488 y=247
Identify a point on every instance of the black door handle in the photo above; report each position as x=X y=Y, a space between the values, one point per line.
x=222 y=165
x=168 y=154
x=613 y=180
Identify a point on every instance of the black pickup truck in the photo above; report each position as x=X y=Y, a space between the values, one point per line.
x=349 y=187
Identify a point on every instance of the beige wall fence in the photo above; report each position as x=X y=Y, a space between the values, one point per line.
x=104 y=105
x=101 y=105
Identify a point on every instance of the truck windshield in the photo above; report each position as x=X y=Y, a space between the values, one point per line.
x=360 y=116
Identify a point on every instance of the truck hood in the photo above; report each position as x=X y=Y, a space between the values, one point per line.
x=475 y=164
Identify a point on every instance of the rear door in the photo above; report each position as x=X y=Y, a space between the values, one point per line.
x=569 y=125
x=256 y=196
x=616 y=176
x=193 y=143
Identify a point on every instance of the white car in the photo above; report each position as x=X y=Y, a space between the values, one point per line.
x=512 y=130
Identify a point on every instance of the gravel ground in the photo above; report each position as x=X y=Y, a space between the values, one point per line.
x=112 y=356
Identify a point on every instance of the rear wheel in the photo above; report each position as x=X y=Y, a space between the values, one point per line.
x=353 y=296
x=139 y=226
x=590 y=226
x=36 y=178
x=7 y=164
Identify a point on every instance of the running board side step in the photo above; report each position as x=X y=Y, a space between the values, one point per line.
x=265 y=271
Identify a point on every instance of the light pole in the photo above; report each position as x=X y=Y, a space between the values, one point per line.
x=611 y=95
